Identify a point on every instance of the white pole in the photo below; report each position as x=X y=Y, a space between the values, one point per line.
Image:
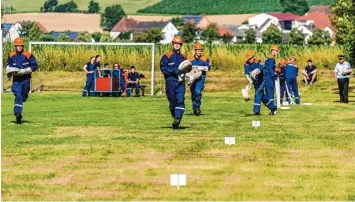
x=30 y=50
x=152 y=79
x=278 y=94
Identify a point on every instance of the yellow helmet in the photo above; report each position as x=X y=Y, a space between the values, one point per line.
x=249 y=54
x=275 y=47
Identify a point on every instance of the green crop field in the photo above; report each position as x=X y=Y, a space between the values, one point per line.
x=75 y=148
x=185 y=7
x=130 y=6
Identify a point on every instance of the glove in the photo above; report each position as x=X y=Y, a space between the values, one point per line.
x=28 y=70
x=191 y=79
x=11 y=70
x=202 y=68
x=249 y=79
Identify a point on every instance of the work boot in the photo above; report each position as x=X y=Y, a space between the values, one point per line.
x=273 y=111
x=19 y=119
x=176 y=123
x=197 y=111
x=257 y=113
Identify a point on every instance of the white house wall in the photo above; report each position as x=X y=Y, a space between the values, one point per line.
x=258 y=20
x=169 y=31
x=11 y=35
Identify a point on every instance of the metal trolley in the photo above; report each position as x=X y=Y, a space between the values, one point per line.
x=109 y=84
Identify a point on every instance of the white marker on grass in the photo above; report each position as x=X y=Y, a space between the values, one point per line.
x=307 y=104
x=285 y=108
x=255 y=124
x=229 y=140
x=178 y=180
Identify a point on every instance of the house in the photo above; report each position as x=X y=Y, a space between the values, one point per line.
x=317 y=20
x=168 y=29
x=124 y=25
x=10 y=31
x=306 y=31
x=201 y=22
x=239 y=32
x=283 y=20
x=321 y=8
x=72 y=35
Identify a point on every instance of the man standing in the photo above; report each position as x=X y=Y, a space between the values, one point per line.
x=309 y=73
x=268 y=84
x=175 y=90
x=198 y=85
x=291 y=73
x=342 y=73
x=26 y=63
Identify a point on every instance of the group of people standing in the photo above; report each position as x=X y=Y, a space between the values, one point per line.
x=124 y=80
x=21 y=64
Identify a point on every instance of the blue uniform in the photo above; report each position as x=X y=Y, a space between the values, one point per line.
x=283 y=91
x=90 y=79
x=21 y=83
x=197 y=87
x=266 y=90
x=116 y=73
x=175 y=90
x=133 y=77
x=249 y=67
x=291 y=73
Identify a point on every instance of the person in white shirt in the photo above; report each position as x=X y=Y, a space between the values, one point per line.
x=342 y=73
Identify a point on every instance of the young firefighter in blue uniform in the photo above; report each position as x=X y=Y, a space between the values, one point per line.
x=291 y=73
x=89 y=68
x=253 y=68
x=198 y=85
x=133 y=79
x=266 y=90
x=118 y=74
x=26 y=63
x=280 y=71
x=175 y=90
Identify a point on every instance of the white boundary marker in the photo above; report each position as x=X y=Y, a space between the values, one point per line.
x=103 y=44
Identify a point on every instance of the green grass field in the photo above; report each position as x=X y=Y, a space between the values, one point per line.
x=130 y=6
x=75 y=148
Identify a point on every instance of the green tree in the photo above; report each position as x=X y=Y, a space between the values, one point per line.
x=96 y=36
x=154 y=34
x=140 y=37
x=35 y=32
x=49 y=5
x=177 y=21
x=69 y=7
x=10 y=10
x=83 y=37
x=94 y=7
x=250 y=36
x=105 y=37
x=272 y=35
x=189 y=32
x=25 y=28
x=344 y=21
x=226 y=38
x=63 y=38
x=299 y=7
x=112 y=16
x=46 y=37
x=211 y=33
x=125 y=36
x=296 y=37
x=319 y=37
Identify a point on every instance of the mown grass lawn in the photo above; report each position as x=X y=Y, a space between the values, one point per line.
x=75 y=148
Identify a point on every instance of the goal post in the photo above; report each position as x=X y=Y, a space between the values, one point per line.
x=152 y=45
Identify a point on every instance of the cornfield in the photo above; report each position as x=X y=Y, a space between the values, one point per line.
x=224 y=57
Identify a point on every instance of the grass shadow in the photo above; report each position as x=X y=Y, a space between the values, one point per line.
x=24 y=121
x=180 y=128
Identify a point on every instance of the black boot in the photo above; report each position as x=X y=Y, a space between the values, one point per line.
x=19 y=119
x=257 y=113
x=273 y=111
x=176 y=123
x=197 y=111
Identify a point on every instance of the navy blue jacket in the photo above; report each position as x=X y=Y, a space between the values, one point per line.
x=169 y=64
x=291 y=71
x=269 y=69
x=22 y=60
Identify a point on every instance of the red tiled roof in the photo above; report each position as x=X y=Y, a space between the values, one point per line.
x=124 y=25
x=320 y=8
x=224 y=31
x=284 y=16
x=321 y=20
x=44 y=30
